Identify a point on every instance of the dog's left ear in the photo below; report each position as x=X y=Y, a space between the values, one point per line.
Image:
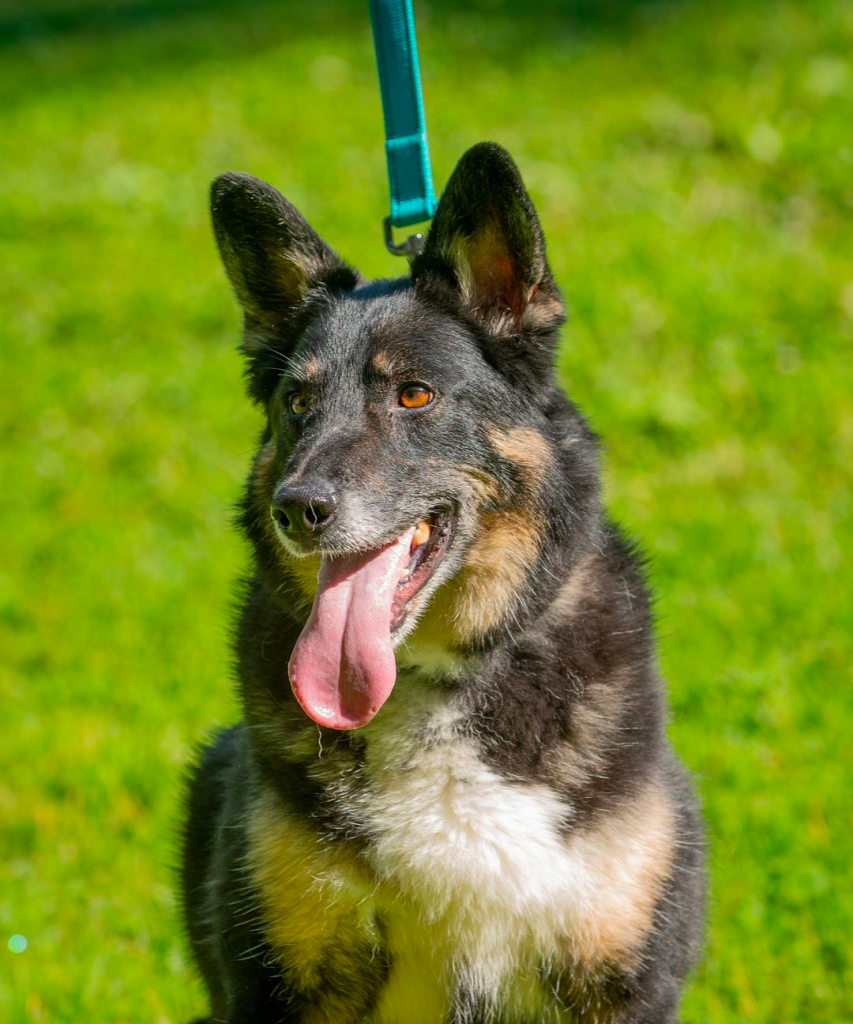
x=487 y=246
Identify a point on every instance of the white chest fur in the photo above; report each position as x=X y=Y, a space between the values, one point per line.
x=477 y=864
x=483 y=870
x=476 y=882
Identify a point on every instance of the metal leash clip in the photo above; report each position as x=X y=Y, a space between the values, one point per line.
x=413 y=245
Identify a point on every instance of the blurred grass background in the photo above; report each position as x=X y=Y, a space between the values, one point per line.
x=693 y=165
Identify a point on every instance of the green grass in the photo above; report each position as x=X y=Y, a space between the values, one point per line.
x=693 y=167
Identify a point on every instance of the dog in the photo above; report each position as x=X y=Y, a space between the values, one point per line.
x=451 y=799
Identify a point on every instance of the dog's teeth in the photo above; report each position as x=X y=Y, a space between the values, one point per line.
x=421 y=535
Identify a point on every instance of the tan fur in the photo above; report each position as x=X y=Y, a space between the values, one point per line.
x=630 y=853
x=501 y=554
x=383 y=363
x=581 y=584
x=506 y=546
x=576 y=763
x=312 y=896
x=543 y=310
x=527 y=449
x=495 y=567
x=481 y=486
x=311 y=368
x=320 y=907
x=486 y=587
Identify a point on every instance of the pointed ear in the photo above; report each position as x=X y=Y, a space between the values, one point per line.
x=272 y=255
x=486 y=244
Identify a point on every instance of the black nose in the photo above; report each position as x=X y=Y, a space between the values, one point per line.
x=305 y=506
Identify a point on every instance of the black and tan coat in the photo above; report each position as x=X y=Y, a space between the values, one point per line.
x=508 y=839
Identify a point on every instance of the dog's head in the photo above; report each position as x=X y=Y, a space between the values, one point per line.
x=420 y=471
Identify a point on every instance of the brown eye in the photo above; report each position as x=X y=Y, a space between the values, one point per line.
x=415 y=396
x=297 y=403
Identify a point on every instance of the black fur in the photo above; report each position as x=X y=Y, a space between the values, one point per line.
x=558 y=685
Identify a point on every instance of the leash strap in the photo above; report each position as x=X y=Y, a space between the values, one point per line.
x=406 y=147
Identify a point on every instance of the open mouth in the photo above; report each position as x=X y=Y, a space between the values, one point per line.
x=430 y=541
x=343 y=668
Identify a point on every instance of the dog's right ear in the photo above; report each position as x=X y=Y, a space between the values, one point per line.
x=273 y=258
x=486 y=250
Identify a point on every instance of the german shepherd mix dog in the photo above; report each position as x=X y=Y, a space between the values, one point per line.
x=451 y=799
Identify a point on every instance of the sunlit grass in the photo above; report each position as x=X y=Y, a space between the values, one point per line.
x=693 y=167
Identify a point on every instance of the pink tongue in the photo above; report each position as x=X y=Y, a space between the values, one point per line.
x=342 y=669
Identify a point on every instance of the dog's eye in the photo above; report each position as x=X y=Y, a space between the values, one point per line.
x=297 y=404
x=415 y=396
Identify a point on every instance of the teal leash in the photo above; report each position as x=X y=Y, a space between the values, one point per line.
x=406 y=147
